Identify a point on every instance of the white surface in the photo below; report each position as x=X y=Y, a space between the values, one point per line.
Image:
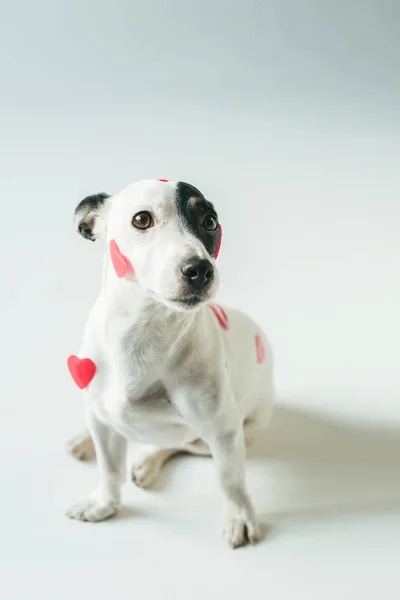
x=286 y=115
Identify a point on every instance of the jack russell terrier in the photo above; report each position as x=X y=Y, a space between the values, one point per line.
x=160 y=364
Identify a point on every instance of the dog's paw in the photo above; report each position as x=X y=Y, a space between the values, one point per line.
x=82 y=447
x=146 y=470
x=239 y=531
x=90 y=509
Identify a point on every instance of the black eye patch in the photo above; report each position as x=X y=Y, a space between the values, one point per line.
x=192 y=208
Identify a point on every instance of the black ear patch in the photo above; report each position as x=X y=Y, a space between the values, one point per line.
x=192 y=208
x=87 y=212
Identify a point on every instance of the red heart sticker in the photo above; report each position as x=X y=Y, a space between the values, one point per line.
x=122 y=265
x=260 y=350
x=82 y=370
x=221 y=315
x=219 y=243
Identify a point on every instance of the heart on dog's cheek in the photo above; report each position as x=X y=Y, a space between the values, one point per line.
x=260 y=350
x=122 y=265
x=82 y=370
x=219 y=243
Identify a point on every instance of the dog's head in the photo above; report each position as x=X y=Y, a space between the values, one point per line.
x=163 y=235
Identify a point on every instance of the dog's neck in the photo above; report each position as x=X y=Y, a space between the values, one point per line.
x=132 y=313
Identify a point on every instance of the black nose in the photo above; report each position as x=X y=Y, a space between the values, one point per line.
x=198 y=273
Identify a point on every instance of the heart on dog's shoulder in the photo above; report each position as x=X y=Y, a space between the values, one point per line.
x=221 y=315
x=82 y=370
x=122 y=265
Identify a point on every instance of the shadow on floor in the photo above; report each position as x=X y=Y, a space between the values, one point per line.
x=308 y=462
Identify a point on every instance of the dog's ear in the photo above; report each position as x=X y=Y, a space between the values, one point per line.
x=90 y=216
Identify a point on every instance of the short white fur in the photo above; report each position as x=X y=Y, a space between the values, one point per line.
x=168 y=377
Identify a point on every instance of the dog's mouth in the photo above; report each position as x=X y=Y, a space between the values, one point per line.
x=188 y=300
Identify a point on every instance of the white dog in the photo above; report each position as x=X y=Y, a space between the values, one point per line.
x=159 y=364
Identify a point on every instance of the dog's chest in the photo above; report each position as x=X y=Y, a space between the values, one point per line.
x=140 y=410
x=129 y=393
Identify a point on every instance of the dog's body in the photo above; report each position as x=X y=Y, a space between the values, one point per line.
x=172 y=372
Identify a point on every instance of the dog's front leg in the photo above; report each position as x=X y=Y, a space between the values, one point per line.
x=239 y=520
x=111 y=457
x=216 y=418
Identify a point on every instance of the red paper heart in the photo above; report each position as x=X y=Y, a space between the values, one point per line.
x=219 y=243
x=82 y=370
x=260 y=350
x=221 y=315
x=122 y=265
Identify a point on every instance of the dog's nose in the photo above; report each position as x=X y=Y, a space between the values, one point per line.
x=198 y=272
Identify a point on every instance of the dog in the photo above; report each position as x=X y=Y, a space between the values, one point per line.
x=160 y=363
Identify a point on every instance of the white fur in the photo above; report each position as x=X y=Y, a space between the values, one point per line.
x=167 y=377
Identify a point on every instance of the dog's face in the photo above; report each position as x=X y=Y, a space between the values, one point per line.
x=167 y=231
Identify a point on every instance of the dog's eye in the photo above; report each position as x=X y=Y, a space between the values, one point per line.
x=142 y=220
x=210 y=222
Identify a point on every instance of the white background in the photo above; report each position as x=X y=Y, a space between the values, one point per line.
x=285 y=114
